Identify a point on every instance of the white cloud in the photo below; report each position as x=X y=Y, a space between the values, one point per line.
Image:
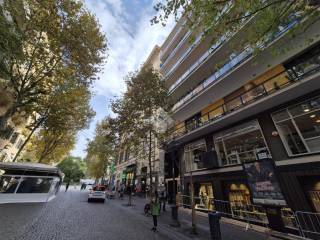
x=129 y=43
x=131 y=39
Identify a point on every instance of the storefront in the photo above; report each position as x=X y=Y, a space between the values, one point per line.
x=299 y=127
x=311 y=187
x=192 y=155
x=237 y=193
x=243 y=143
x=204 y=196
x=130 y=175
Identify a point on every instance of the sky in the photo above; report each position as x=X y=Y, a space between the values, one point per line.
x=131 y=39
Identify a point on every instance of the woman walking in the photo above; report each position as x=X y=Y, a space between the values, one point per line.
x=155 y=211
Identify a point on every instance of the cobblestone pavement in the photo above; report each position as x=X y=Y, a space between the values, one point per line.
x=71 y=217
x=228 y=231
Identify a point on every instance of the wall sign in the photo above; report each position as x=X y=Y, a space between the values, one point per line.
x=263 y=183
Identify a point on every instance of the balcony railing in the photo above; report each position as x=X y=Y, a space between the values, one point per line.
x=183 y=39
x=226 y=68
x=281 y=80
x=226 y=8
x=204 y=56
x=171 y=41
x=184 y=55
x=196 y=63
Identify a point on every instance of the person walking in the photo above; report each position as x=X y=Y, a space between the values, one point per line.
x=163 y=199
x=155 y=211
x=67 y=185
x=121 y=192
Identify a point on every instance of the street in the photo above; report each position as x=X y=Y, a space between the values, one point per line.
x=71 y=217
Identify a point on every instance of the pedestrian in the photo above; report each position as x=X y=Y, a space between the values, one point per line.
x=121 y=192
x=163 y=199
x=155 y=211
x=67 y=185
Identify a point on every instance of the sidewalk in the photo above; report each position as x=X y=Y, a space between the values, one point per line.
x=230 y=229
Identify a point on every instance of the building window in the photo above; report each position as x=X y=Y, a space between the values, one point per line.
x=7 y=133
x=3 y=157
x=299 y=127
x=14 y=138
x=19 y=144
x=244 y=143
x=126 y=155
x=192 y=155
x=304 y=64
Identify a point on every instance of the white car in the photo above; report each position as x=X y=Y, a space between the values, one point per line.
x=97 y=193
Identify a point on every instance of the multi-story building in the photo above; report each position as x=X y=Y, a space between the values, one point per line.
x=247 y=123
x=133 y=164
x=11 y=140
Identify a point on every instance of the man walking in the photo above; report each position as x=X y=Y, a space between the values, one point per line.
x=163 y=198
x=67 y=185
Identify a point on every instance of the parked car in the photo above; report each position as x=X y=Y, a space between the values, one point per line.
x=97 y=193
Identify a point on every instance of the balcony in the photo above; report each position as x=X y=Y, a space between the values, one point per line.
x=171 y=54
x=183 y=56
x=283 y=80
x=235 y=60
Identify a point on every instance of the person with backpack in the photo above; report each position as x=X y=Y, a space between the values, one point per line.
x=155 y=211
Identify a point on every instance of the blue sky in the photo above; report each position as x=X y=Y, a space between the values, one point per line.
x=130 y=40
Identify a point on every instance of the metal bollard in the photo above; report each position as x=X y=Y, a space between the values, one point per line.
x=214 y=223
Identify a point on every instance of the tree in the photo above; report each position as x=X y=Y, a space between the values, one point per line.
x=136 y=112
x=58 y=37
x=72 y=167
x=218 y=17
x=10 y=40
x=51 y=147
x=57 y=120
x=102 y=150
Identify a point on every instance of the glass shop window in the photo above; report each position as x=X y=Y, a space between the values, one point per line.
x=299 y=127
x=193 y=155
x=244 y=143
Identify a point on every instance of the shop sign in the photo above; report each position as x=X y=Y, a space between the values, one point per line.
x=263 y=183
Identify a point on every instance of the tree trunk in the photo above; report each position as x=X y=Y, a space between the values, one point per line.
x=41 y=158
x=150 y=163
x=27 y=140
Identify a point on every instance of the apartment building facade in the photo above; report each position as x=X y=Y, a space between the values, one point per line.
x=133 y=164
x=12 y=139
x=247 y=124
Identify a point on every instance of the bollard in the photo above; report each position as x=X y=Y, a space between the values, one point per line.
x=214 y=223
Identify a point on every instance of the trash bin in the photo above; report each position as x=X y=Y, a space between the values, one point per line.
x=214 y=223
